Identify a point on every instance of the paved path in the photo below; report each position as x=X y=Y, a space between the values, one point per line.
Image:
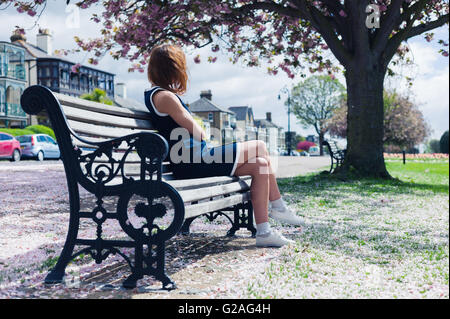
x=288 y=166
x=285 y=166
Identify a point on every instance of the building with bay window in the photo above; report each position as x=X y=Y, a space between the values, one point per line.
x=56 y=72
x=12 y=84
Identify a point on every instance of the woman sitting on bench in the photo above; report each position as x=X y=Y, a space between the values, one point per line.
x=172 y=118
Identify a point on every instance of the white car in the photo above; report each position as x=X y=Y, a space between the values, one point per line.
x=314 y=151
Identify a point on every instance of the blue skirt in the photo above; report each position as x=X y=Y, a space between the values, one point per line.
x=204 y=160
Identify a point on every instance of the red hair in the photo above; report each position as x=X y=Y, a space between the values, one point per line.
x=167 y=68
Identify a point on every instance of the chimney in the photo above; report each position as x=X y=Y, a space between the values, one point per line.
x=44 y=41
x=17 y=35
x=120 y=89
x=269 y=116
x=206 y=94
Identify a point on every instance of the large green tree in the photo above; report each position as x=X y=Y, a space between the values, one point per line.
x=314 y=101
x=363 y=35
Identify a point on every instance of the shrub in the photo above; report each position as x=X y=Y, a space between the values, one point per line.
x=444 y=143
x=305 y=145
x=97 y=95
x=41 y=129
x=434 y=146
x=16 y=131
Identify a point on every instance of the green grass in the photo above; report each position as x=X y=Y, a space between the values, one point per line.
x=366 y=238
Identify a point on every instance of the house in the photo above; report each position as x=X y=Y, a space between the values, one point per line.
x=222 y=121
x=57 y=73
x=121 y=99
x=274 y=134
x=12 y=84
x=245 y=123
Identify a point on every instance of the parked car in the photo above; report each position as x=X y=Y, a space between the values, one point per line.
x=293 y=153
x=314 y=151
x=39 y=146
x=9 y=147
x=304 y=153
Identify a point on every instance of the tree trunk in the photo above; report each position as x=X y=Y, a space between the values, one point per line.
x=365 y=123
x=320 y=143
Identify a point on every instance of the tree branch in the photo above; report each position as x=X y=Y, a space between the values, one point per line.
x=325 y=28
x=388 y=24
x=408 y=32
x=420 y=29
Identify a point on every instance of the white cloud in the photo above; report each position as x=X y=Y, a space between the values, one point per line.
x=430 y=91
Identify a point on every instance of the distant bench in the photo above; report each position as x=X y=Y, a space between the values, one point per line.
x=337 y=155
x=115 y=152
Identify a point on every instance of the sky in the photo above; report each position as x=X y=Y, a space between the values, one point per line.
x=237 y=85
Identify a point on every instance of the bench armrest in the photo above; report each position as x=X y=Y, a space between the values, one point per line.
x=151 y=148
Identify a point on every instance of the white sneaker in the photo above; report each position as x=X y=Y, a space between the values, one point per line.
x=286 y=216
x=272 y=239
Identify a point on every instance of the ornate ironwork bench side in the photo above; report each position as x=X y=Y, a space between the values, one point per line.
x=112 y=151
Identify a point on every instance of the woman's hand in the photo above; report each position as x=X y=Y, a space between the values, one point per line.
x=168 y=103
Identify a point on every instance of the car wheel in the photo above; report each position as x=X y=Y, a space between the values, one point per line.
x=15 y=156
x=40 y=156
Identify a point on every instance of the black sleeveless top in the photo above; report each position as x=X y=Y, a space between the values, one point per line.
x=228 y=154
x=163 y=122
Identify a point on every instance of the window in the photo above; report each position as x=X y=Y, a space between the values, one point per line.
x=211 y=117
x=41 y=139
x=24 y=139
x=50 y=140
x=4 y=137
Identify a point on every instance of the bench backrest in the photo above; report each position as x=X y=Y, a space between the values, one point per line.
x=332 y=147
x=80 y=126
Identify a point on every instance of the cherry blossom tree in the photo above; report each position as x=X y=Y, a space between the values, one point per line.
x=294 y=36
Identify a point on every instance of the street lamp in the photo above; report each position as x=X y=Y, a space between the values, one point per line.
x=285 y=90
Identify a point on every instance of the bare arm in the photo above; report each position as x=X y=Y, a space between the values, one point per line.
x=167 y=102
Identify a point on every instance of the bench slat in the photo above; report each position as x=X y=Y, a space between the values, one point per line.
x=100 y=108
x=185 y=184
x=101 y=131
x=209 y=192
x=206 y=207
x=85 y=116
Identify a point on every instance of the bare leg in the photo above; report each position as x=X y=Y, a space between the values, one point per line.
x=250 y=150
x=259 y=189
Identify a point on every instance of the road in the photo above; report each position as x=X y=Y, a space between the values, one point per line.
x=285 y=166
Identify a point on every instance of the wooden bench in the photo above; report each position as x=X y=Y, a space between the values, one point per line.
x=337 y=155
x=114 y=152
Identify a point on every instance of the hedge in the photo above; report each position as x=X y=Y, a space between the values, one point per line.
x=16 y=131
x=29 y=130
x=41 y=129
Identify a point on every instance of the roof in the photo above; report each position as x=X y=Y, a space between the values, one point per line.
x=205 y=105
x=11 y=44
x=265 y=123
x=32 y=52
x=130 y=104
x=241 y=112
